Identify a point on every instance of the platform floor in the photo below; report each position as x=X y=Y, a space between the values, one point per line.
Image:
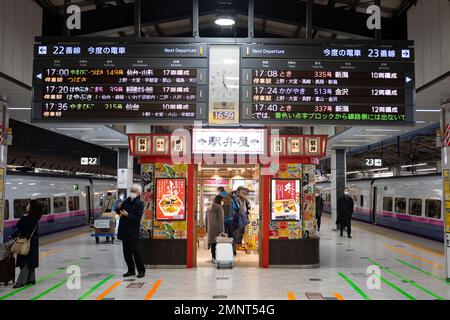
x=411 y=268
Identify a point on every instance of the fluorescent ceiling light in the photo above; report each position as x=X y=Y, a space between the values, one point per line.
x=423 y=170
x=98 y=139
x=383 y=130
x=370 y=135
x=69 y=129
x=381 y=169
x=414 y=165
x=353 y=172
x=428 y=110
x=115 y=144
x=19 y=108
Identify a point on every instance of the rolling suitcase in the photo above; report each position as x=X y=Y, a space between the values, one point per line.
x=224 y=251
x=8 y=270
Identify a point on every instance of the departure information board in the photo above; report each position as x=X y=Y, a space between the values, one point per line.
x=327 y=85
x=120 y=83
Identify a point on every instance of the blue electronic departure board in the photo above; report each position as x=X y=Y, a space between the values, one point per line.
x=119 y=83
x=327 y=85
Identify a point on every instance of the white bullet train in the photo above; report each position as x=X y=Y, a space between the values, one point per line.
x=411 y=204
x=68 y=202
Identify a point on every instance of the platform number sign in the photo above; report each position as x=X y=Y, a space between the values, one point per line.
x=90 y=161
x=371 y=162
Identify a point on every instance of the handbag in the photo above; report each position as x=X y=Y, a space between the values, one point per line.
x=21 y=245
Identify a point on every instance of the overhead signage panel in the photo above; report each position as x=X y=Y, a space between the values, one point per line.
x=328 y=52
x=229 y=141
x=120 y=83
x=327 y=85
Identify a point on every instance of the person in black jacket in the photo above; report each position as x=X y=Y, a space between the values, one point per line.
x=319 y=208
x=129 y=231
x=28 y=226
x=344 y=212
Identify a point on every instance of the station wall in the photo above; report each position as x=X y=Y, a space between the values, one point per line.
x=20 y=22
x=428 y=26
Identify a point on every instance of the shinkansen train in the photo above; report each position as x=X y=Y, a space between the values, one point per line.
x=68 y=202
x=408 y=204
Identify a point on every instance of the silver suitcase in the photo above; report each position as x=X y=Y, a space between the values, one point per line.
x=224 y=251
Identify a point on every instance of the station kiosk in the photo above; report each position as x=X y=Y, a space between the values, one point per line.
x=287 y=166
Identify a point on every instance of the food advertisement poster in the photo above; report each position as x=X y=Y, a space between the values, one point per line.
x=285 y=199
x=170 y=199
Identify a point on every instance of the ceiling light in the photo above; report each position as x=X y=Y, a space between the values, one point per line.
x=383 y=130
x=19 y=108
x=76 y=129
x=414 y=165
x=225 y=21
x=423 y=170
x=428 y=110
x=105 y=139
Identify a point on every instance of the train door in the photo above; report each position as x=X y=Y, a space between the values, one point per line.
x=373 y=212
x=88 y=204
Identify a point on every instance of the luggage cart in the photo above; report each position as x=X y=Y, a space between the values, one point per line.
x=103 y=227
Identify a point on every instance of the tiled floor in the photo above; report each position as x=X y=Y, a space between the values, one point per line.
x=413 y=270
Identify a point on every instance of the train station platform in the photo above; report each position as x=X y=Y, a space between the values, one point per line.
x=412 y=268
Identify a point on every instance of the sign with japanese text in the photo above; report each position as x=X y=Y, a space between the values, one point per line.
x=327 y=85
x=170 y=199
x=119 y=83
x=285 y=199
x=229 y=141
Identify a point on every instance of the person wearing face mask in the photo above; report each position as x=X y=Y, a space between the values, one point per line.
x=28 y=226
x=129 y=230
x=319 y=208
x=344 y=212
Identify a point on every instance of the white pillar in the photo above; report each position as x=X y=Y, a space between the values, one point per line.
x=338 y=180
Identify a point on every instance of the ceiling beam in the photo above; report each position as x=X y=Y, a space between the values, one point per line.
x=336 y=20
x=404 y=7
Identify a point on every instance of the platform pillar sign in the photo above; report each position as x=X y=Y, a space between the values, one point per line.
x=4 y=123
x=445 y=124
x=124 y=171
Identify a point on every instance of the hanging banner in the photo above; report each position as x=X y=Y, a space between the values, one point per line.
x=170 y=199
x=285 y=196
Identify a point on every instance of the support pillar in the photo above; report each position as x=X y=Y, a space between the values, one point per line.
x=445 y=125
x=338 y=180
x=4 y=124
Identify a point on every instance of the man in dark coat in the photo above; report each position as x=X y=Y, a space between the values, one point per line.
x=319 y=208
x=28 y=226
x=129 y=231
x=345 y=212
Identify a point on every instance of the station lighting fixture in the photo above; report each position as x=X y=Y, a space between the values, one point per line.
x=414 y=165
x=424 y=170
x=225 y=16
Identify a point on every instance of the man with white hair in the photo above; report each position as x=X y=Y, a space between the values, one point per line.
x=129 y=229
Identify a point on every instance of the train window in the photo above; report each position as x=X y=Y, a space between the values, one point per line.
x=415 y=207
x=400 y=205
x=6 y=215
x=19 y=207
x=387 y=204
x=74 y=203
x=59 y=204
x=433 y=208
x=361 y=198
x=45 y=203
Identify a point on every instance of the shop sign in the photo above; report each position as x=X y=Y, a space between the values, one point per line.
x=285 y=199
x=229 y=141
x=170 y=199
